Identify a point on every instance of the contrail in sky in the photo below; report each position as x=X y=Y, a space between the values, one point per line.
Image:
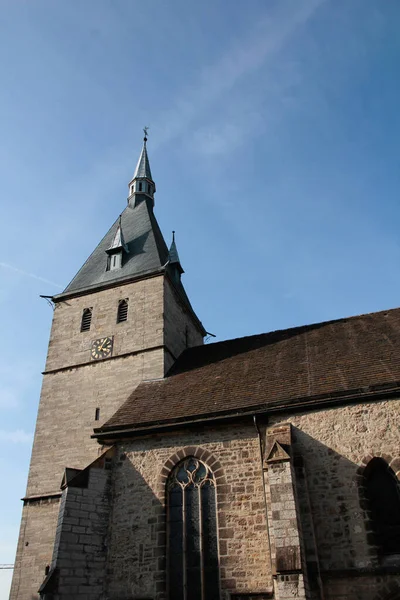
x=26 y=274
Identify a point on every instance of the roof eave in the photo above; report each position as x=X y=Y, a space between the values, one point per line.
x=108 y=284
x=382 y=392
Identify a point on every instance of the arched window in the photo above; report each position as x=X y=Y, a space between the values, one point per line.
x=383 y=496
x=86 y=319
x=122 y=314
x=192 y=532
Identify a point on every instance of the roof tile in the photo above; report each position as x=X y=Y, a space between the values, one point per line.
x=334 y=357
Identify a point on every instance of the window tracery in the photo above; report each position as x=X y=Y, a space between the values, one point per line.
x=192 y=532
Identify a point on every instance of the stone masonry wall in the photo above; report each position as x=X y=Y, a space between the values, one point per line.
x=67 y=408
x=137 y=539
x=143 y=329
x=287 y=547
x=70 y=397
x=74 y=387
x=333 y=443
x=180 y=330
x=35 y=547
x=79 y=556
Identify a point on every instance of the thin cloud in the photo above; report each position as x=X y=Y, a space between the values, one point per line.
x=260 y=44
x=31 y=275
x=19 y=436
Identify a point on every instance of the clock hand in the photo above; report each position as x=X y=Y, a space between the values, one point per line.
x=102 y=345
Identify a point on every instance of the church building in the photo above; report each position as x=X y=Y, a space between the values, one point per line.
x=167 y=469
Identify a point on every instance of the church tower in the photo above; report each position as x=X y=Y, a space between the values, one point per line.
x=124 y=318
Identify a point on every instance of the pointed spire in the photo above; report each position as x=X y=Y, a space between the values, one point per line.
x=143 y=164
x=142 y=185
x=173 y=251
x=173 y=256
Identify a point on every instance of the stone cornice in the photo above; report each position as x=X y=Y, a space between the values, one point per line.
x=96 y=362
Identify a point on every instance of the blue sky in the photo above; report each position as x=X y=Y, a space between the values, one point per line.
x=274 y=143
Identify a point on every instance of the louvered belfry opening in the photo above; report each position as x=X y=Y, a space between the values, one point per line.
x=86 y=319
x=383 y=494
x=122 y=310
x=193 y=572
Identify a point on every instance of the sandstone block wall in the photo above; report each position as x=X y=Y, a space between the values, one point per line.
x=143 y=329
x=67 y=411
x=74 y=387
x=136 y=566
x=79 y=557
x=333 y=443
x=35 y=547
x=180 y=330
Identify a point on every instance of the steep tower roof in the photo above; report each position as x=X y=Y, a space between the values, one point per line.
x=146 y=251
x=142 y=186
x=143 y=164
x=135 y=234
x=137 y=239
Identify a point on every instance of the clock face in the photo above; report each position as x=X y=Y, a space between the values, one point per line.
x=101 y=348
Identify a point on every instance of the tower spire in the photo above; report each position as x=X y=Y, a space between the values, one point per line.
x=142 y=186
x=173 y=258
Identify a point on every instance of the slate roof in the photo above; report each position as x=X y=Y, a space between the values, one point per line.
x=118 y=242
x=143 y=165
x=173 y=251
x=148 y=252
x=173 y=256
x=347 y=358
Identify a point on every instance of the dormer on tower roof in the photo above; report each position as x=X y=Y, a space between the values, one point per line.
x=132 y=249
x=174 y=264
x=118 y=242
x=173 y=256
x=117 y=250
x=142 y=186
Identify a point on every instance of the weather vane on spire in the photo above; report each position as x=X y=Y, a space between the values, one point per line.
x=145 y=129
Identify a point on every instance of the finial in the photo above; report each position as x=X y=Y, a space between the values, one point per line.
x=145 y=129
x=173 y=236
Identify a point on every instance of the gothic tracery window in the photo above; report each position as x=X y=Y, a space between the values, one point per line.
x=383 y=495
x=192 y=532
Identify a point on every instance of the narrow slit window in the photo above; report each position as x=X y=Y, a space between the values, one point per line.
x=97 y=414
x=140 y=186
x=86 y=319
x=122 y=310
